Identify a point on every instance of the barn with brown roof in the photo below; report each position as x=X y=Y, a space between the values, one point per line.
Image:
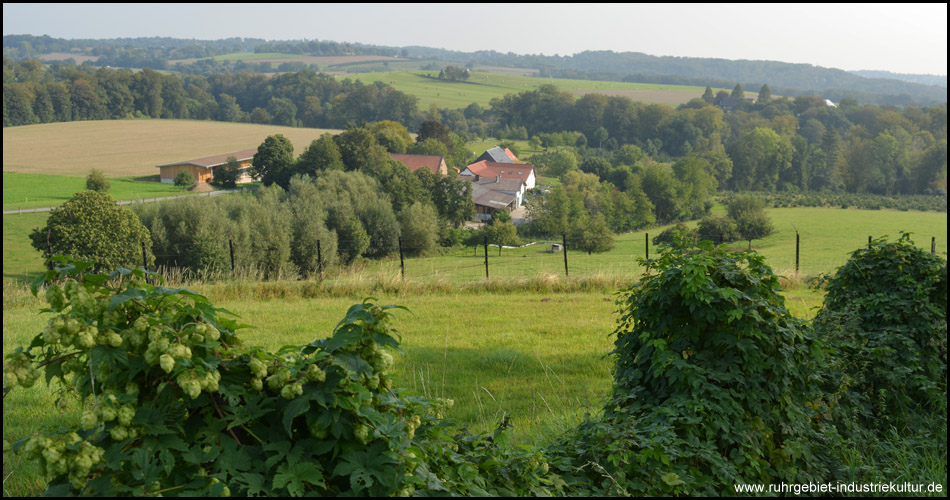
x=435 y=163
x=202 y=169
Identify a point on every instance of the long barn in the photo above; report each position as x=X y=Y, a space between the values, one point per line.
x=202 y=169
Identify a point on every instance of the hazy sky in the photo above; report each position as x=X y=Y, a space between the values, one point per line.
x=903 y=38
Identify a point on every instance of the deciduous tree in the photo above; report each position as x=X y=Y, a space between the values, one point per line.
x=91 y=227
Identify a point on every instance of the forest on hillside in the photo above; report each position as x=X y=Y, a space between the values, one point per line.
x=785 y=78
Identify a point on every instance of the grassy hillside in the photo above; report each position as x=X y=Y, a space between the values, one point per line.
x=482 y=87
x=131 y=147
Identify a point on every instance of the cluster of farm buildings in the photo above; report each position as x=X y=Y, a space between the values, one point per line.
x=499 y=180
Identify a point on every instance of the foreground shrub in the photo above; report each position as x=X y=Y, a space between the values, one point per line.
x=885 y=314
x=175 y=405
x=710 y=390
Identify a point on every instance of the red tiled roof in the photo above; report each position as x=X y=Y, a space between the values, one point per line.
x=415 y=162
x=213 y=161
x=511 y=155
x=487 y=168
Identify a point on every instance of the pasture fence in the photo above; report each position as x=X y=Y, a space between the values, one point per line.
x=418 y=261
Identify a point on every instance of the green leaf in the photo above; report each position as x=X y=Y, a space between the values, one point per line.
x=295 y=477
x=296 y=407
x=125 y=296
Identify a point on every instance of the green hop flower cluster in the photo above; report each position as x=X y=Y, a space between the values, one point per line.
x=19 y=371
x=362 y=433
x=192 y=382
x=413 y=424
x=62 y=454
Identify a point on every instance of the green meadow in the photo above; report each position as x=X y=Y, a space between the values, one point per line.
x=826 y=238
x=40 y=190
x=482 y=87
x=21 y=262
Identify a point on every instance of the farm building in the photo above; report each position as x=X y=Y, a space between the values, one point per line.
x=485 y=168
x=202 y=169
x=499 y=155
x=491 y=194
x=435 y=163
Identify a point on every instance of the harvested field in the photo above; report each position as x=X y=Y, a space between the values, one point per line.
x=282 y=58
x=132 y=147
x=672 y=97
x=62 y=56
x=330 y=60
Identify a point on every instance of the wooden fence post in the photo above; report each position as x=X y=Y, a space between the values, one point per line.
x=564 y=249
x=231 y=249
x=402 y=264
x=648 y=245
x=486 y=256
x=319 y=260
x=796 y=252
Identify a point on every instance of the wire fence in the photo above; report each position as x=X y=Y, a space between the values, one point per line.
x=545 y=258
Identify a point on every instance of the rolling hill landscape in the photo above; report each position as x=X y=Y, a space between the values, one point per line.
x=723 y=275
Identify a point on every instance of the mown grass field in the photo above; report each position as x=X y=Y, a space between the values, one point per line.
x=21 y=263
x=39 y=190
x=827 y=237
x=131 y=147
x=481 y=87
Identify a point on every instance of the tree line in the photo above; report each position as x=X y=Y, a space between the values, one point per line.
x=774 y=144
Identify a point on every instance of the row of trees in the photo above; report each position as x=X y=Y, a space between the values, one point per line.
x=34 y=93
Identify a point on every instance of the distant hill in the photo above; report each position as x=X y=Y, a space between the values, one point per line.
x=934 y=80
x=783 y=78
x=792 y=79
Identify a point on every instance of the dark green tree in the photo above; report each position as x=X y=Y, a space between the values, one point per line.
x=321 y=155
x=597 y=166
x=737 y=92
x=752 y=222
x=184 y=179
x=591 y=234
x=273 y=160
x=227 y=175
x=282 y=111
x=708 y=95
x=91 y=227
x=418 y=228
x=765 y=94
